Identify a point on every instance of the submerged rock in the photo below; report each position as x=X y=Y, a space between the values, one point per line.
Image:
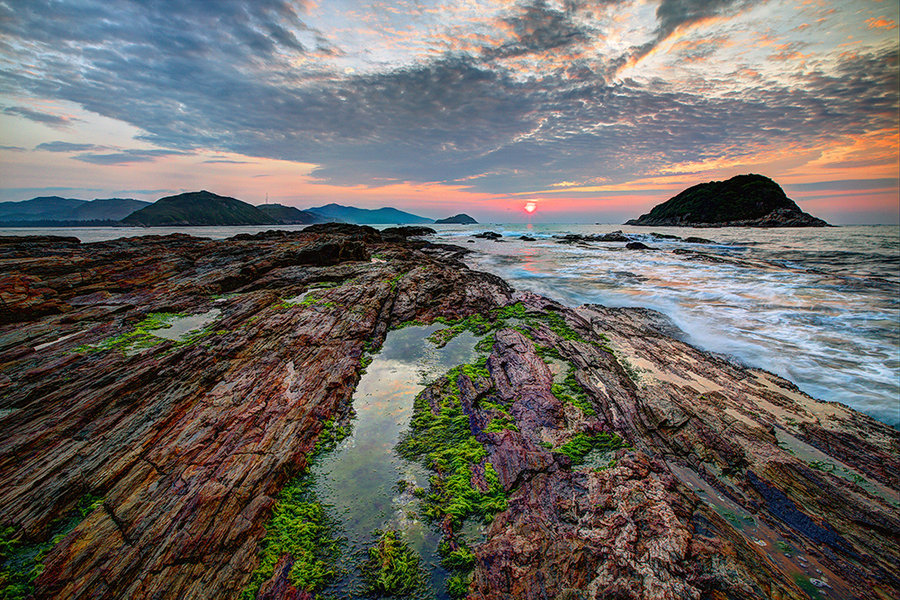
x=623 y=462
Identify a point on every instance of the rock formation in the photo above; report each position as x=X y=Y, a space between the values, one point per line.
x=742 y=201
x=166 y=455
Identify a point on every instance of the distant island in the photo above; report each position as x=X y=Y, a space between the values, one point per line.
x=460 y=219
x=201 y=208
x=742 y=201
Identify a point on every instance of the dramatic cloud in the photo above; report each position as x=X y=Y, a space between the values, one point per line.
x=503 y=97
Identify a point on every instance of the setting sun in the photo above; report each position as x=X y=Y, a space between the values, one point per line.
x=530 y=207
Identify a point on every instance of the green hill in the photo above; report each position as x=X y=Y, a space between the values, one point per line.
x=107 y=208
x=199 y=208
x=742 y=201
x=288 y=215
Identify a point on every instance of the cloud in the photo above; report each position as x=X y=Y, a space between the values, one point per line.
x=255 y=79
x=64 y=147
x=12 y=148
x=126 y=156
x=881 y=23
x=55 y=121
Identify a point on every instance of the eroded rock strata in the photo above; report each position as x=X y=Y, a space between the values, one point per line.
x=711 y=481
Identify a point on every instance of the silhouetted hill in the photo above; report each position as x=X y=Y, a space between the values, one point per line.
x=113 y=209
x=460 y=219
x=199 y=208
x=43 y=207
x=288 y=215
x=742 y=201
x=365 y=216
x=64 y=210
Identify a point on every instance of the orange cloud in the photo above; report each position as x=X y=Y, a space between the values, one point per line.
x=881 y=23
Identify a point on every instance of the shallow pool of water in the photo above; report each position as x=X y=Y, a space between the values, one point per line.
x=358 y=480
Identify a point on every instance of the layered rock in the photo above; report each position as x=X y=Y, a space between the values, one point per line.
x=188 y=442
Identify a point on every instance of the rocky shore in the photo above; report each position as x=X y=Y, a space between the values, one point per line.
x=609 y=459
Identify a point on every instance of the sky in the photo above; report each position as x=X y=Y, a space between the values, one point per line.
x=582 y=110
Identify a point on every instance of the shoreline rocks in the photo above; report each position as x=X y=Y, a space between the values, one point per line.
x=181 y=445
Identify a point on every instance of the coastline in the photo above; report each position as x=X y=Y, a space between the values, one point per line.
x=187 y=443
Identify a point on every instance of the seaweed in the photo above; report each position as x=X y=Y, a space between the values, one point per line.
x=392 y=567
x=21 y=562
x=583 y=443
x=299 y=528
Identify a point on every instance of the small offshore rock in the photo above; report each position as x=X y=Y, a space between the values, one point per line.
x=638 y=246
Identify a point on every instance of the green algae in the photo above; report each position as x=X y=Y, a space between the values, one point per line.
x=157 y=328
x=138 y=338
x=444 y=442
x=392 y=567
x=21 y=562
x=581 y=444
x=301 y=529
x=568 y=390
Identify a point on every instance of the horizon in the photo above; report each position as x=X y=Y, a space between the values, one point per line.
x=588 y=113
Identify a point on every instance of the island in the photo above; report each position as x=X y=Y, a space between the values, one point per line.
x=742 y=201
x=460 y=219
x=143 y=458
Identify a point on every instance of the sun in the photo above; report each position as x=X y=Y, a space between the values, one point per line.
x=530 y=206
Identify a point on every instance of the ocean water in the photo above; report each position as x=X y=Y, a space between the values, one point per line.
x=818 y=306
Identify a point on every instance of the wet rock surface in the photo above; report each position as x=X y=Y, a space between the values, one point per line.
x=729 y=482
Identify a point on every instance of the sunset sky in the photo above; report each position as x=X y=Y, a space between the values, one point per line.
x=591 y=110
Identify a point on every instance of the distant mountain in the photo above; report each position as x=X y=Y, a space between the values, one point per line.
x=460 y=219
x=365 y=216
x=288 y=215
x=742 y=201
x=54 y=208
x=107 y=209
x=43 y=207
x=199 y=208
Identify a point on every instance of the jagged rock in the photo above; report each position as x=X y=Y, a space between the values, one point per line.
x=488 y=235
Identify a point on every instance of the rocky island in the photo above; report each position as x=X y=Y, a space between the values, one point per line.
x=742 y=201
x=460 y=219
x=604 y=457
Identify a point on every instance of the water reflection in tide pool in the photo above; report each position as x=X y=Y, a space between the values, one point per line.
x=358 y=479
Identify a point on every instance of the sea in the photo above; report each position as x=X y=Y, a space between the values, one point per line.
x=818 y=306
